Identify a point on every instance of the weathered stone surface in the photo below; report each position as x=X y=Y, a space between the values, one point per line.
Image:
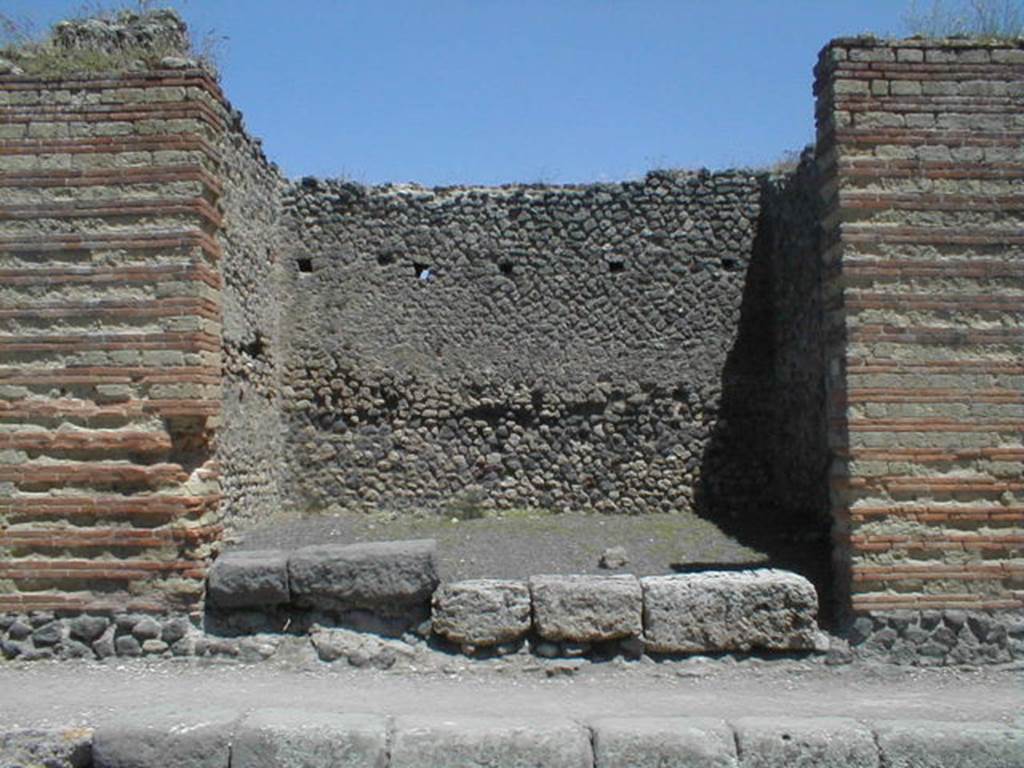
x=825 y=742
x=613 y=558
x=655 y=742
x=543 y=296
x=729 y=611
x=104 y=647
x=586 y=608
x=276 y=738
x=386 y=576
x=88 y=628
x=141 y=739
x=175 y=629
x=482 y=612
x=249 y=579
x=146 y=628
x=361 y=650
x=931 y=744
x=47 y=748
x=48 y=634
x=423 y=742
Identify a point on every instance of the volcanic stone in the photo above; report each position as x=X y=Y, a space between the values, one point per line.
x=482 y=612
x=729 y=611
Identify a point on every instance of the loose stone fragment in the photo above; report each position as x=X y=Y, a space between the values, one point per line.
x=482 y=612
x=586 y=609
x=613 y=558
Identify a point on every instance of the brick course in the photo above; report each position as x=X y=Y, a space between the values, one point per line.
x=921 y=148
x=110 y=331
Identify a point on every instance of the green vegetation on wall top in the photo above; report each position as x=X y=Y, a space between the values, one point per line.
x=105 y=38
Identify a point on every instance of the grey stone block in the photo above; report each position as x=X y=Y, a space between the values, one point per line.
x=476 y=742
x=654 y=742
x=88 y=628
x=931 y=744
x=482 y=612
x=49 y=747
x=141 y=739
x=126 y=645
x=277 y=738
x=381 y=576
x=730 y=611
x=249 y=579
x=146 y=628
x=822 y=742
x=48 y=634
x=586 y=609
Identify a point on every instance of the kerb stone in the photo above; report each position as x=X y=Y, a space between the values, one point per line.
x=50 y=747
x=249 y=579
x=654 y=742
x=729 y=611
x=586 y=609
x=157 y=740
x=278 y=738
x=824 y=742
x=381 y=576
x=931 y=744
x=476 y=742
x=482 y=612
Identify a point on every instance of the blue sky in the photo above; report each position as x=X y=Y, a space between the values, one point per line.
x=496 y=91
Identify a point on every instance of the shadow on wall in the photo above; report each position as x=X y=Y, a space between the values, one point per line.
x=769 y=441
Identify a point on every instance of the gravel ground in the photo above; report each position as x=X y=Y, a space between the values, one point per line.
x=516 y=546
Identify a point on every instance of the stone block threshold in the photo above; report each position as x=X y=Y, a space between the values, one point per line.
x=394 y=586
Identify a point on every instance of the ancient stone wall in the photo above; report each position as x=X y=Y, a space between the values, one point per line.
x=797 y=448
x=110 y=341
x=541 y=347
x=250 y=440
x=138 y=326
x=922 y=148
x=189 y=342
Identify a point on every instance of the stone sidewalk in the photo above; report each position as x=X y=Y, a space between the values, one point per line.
x=699 y=712
x=296 y=738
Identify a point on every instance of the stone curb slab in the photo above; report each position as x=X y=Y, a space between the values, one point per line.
x=249 y=579
x=374 y=575
x=283 y=738
x=49 y=747
x=663 y=741
x=461 y=742
x=822 y=742
x=586 y=609
x=729 y=611
x=482 y=612
x=161 y=740
x=931 y=744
